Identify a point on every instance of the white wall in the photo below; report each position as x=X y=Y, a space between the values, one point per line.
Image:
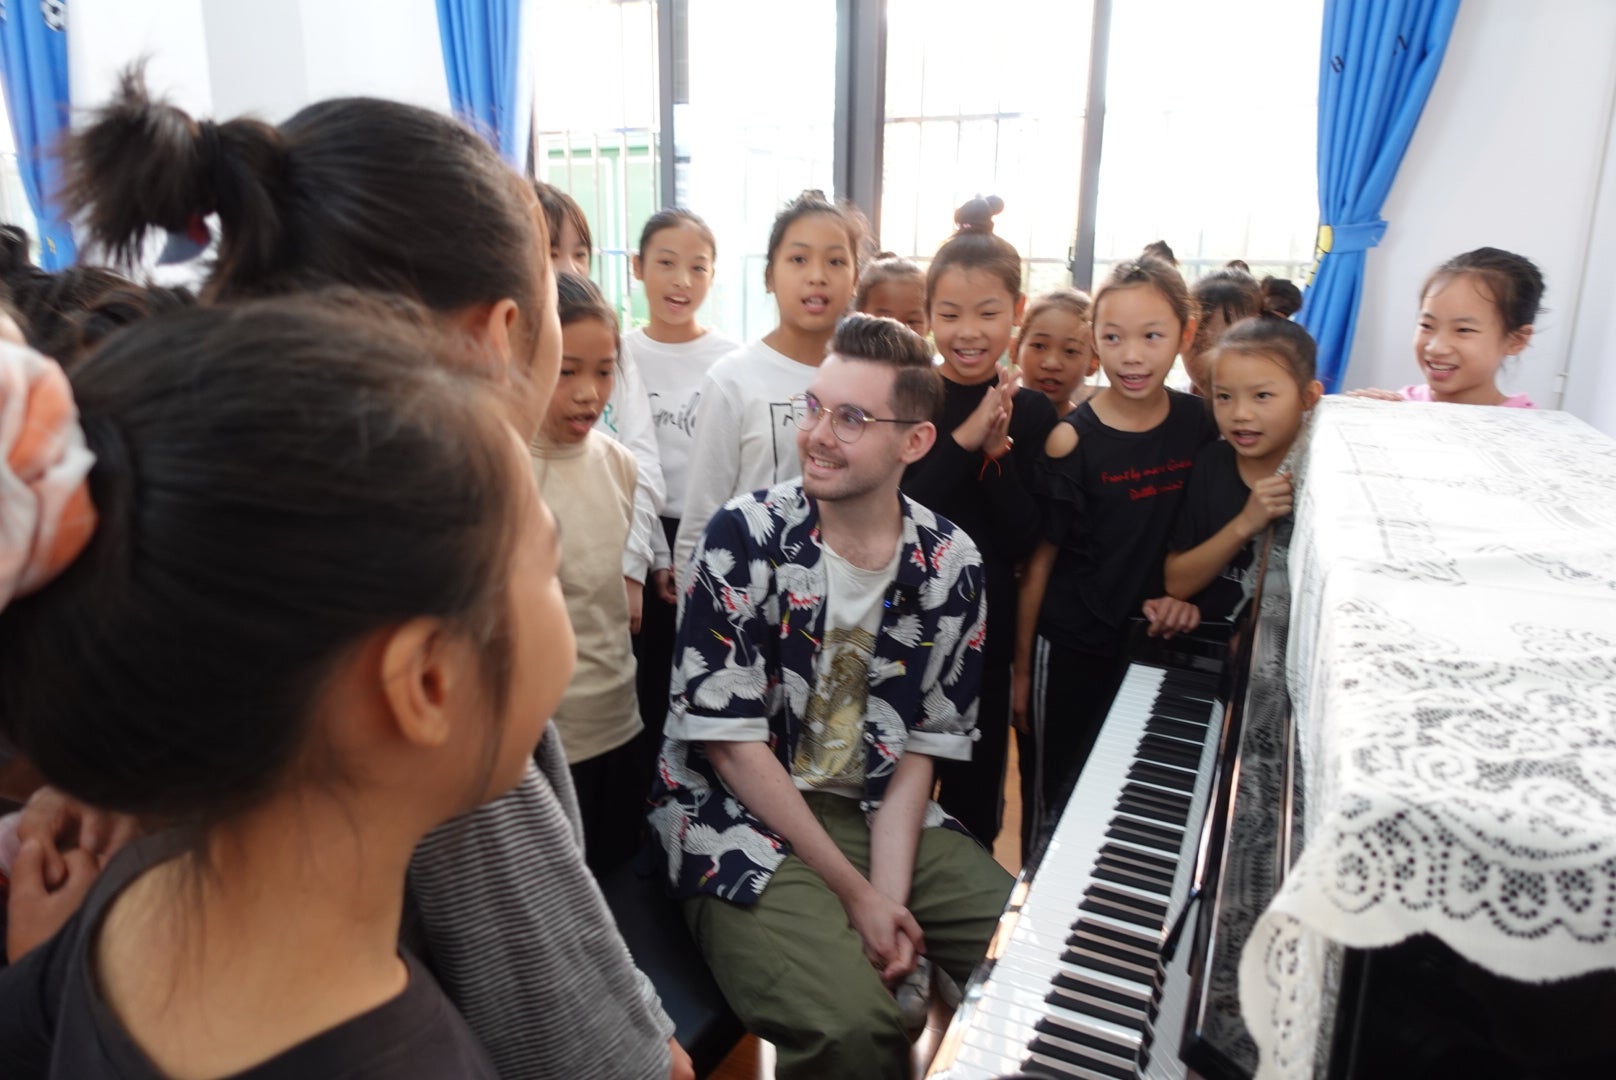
x=229 y=57
x=1510 y=152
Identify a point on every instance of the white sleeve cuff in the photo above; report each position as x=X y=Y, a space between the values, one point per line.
x=937 y=744
x=693 y=727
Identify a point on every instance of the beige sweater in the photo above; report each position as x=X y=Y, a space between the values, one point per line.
x=589 y=486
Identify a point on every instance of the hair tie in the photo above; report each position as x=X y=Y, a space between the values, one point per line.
x=46 y=517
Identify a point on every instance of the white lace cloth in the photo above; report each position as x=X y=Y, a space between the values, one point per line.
x=1452 y=663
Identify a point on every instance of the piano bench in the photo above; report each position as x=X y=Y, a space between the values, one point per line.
x=660 y=943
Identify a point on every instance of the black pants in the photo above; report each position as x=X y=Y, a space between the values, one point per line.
x=1071 y=694
x=612 y=792
x=653 y=655
x=973 y=791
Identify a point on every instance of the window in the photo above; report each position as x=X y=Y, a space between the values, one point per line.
x=1208 y=137
x=1211 y=112
x=979 y=104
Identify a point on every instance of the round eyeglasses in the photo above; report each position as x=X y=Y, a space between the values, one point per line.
x=846 y=421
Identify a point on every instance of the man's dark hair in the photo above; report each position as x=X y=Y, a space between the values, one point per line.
x=917 y=389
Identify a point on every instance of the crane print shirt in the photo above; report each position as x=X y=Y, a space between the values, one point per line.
x=751 y=628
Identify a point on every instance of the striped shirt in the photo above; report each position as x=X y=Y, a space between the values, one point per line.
x=518 y=934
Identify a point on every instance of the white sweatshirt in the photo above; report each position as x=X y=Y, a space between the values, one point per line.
x=745 y=438
x=627 y=419
x=673 y=375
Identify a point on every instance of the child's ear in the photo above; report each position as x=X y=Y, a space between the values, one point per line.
x=1518 y=341
x=490 y=326
x=638 y=267
x=1311 y=394
x=418 y=673
x=1021 y=306
x=1188 y=337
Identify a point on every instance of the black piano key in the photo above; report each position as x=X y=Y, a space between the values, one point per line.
x=1157 y=829
x=1148 y=804
x=1178 y=729
x=1122 y=829
x=1120 y=950
x=1113 y=1057
x=1141 y=903
x=1104 y=1062
x=1122 y=875
x=1178 y=800
x=1083 y=1005
x=1191 y=712
x=1055 y=1070
x=1075 y=984
x=1094 y=962
x=1165 y=776
x=1118 y=911
x=1170 y=752
x=1144 y=860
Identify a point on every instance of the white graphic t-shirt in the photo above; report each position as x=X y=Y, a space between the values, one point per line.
x=830 y=750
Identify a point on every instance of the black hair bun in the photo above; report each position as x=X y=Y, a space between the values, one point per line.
x=977 y=215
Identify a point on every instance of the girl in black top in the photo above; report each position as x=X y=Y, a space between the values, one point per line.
x=1262 y=386
x=292 y=604
x=1116 y=472
x=980 y=474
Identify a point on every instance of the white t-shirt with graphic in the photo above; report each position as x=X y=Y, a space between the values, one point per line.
x=830 y=750
x=745 y=437
x=673 y=376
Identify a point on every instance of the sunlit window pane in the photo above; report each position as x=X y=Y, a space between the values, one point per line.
x=1210 y=134
x=979 y=105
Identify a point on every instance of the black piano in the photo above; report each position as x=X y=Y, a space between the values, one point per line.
x=1117 y=956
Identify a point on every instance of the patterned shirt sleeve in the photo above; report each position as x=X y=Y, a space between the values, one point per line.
x=720 y=680
x=946 y=727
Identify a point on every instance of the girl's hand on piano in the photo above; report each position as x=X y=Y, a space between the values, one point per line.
x=1168 y=616
x=1375 y=395
x=1271 y=498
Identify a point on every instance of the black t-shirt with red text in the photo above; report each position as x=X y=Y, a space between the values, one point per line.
x=1112 y=503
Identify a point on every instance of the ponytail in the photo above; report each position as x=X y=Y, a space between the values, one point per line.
x=352 y=191
x=145 y=163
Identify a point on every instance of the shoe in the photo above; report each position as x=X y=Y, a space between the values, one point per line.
x=914 y=998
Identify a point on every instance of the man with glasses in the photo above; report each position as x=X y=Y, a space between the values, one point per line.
x=829 y=648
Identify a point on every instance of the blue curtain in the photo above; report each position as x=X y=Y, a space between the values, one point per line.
x=485 y=58
x=33 y=66
x=1380 y=58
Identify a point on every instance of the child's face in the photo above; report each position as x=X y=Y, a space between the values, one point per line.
x=543 y=650
x=972 y=317
x=903 y=299
x=1257 y=403
x=677 y=269
x=588 y=371
x=568 y=251
x=1056 y=353
x=813 y=274
x=1137 y=336
x=1460 y=341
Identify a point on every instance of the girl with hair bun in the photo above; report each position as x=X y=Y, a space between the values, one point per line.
x=390 y=197
x=287 y=713
x=980 y=473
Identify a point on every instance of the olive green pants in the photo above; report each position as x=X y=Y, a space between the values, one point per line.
x=795 y=973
